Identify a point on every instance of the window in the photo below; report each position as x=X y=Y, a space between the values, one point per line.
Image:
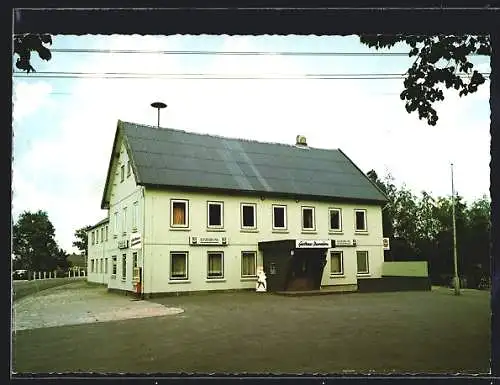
x=360 y=220
x=179 y=213
x=113 y=271
x=248 y=217
x=215 y=215
x=336 y=263
x=122 y=173
x=105 y=265
x=308 y=218
x=178 y=265
x=92 y=265
x=215 y=265
x=102 y=234
x=124 y=221
x=248 y=263
x=97 y=237
x=101 y=267
x=335 y=219
x=115 y=225
x=135 y=215
x=134 y=260
x=106 y=233
x=124 y=267
x=362 y=257
x=128 y=169
x=279 y=217
x=93 y=237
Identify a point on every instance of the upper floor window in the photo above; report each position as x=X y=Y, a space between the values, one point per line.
x=360 y=218
x=122 y=173
x=124 y=221
x=97 y=236
x=129 y=169
x=93 y=237
x=248 y=216
x=335 y=219
x=115 y=224
x=179 y=213
x=102 y=234
x=215 y=215
x=308 y=218
x=279 y=217
x=135 y=215
x=106 y=233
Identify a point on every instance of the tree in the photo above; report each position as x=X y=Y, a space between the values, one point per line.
x=31 y=42
x=81 y=242
x=441 y=60
x=33 y=241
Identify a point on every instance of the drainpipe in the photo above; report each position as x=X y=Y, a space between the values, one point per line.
x=143 y=240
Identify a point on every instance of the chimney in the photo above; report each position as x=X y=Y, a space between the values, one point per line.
x=301 y=141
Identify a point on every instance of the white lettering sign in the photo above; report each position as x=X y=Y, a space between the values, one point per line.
x=208 y=241
x=345 y=242
x=313 y=243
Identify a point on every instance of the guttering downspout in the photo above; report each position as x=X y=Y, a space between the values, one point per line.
x=143 y=239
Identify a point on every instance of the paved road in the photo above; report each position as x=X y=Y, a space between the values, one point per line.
x=80 y=303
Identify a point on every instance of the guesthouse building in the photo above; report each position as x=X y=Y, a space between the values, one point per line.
x=193 y=212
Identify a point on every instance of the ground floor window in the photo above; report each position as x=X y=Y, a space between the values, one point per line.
x=92 y=266
x=215 y=265
x=362 y=258
x=114 y=265
x=336 y=263
x=178 y=265
x=248 y=263
x=124 y=267
x=105 y=265
x=101 y=267
x=134 y=260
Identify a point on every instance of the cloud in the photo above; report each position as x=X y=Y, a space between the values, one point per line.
x=29 y=97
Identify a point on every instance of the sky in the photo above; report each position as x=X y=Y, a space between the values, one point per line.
x=63 y=128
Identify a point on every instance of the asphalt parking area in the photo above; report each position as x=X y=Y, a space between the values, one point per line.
x=80 y=303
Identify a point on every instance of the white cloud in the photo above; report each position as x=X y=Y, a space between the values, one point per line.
x=29 y=97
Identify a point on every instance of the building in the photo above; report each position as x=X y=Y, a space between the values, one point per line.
x=193 y=212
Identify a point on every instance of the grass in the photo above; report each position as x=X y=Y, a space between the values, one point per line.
x=22 y=289
x=405 y=332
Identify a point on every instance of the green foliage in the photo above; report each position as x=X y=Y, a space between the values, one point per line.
x=421 y=228
x=440 y=60
x=34 y=245
x=31 y=42
x=81 y=242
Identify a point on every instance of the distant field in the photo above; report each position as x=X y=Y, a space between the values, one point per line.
x=23 y=288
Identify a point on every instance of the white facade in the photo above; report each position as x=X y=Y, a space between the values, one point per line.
x=149 y=213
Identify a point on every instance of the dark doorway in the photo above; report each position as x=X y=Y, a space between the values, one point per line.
x=305 y=270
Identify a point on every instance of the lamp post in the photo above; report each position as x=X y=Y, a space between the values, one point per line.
x=158 y=106
x=456 y=280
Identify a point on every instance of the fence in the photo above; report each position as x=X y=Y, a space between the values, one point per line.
x=36 y=275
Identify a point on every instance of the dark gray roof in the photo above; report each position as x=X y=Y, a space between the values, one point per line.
x=168 y=157
x=101 y=222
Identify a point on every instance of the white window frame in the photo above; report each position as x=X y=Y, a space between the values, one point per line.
x=186 y=213
x=135 y=215
x=313 y=228
x=124 y=221
x=367 y=272
x=115 y=224
x=330 y=228
x=215 y=203
x=284 y=207
x=124 y=267
x=341 y=253
x=356 y=211
x=208 y=265
x=254 y=206
x=255 y=264
x=186 y=257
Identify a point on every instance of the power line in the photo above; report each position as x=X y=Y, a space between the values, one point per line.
x=225 y=53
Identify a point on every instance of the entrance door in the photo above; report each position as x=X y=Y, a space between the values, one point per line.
x=303 y=270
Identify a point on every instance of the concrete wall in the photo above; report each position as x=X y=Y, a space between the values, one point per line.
x=160 y=239
x=405 y=269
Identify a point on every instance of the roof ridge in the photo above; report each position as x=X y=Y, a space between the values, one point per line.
x=227 y=137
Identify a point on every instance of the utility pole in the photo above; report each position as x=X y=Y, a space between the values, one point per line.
x=456 y=280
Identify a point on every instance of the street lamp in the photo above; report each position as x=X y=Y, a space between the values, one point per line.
x=456 y=280
x=158 y=106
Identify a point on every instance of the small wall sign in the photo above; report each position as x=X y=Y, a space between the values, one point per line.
x=344 y=242
x=385 y=243
x=135 y=241
x=313 y=243
x=123 y=244
x=202 y=241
